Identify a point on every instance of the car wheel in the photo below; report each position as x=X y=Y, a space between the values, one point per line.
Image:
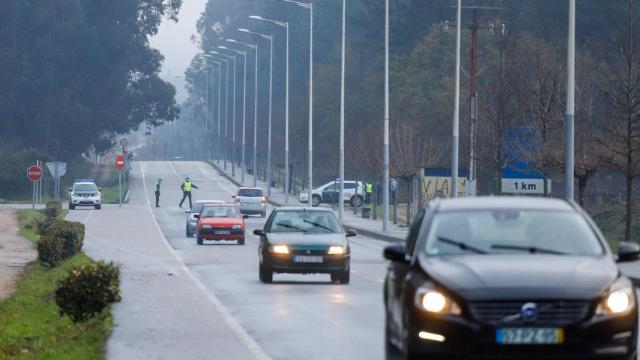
x=265 y=274
x=98 y=207
x=391 y=351
x=241 y=242
x=315 y=200
x=200 y=240
x=71 y=207
x=188 y=232
x=341 y=277
x=356 y=201
x=263 y=214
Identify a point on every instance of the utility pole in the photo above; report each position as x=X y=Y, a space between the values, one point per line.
x=385 y=181
x=456 y=111
x=571 y=64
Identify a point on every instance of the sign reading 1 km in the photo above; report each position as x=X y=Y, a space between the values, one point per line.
x=119 y=162
x=34 y=173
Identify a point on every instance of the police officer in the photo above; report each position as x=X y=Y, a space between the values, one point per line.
x=393 y=186
x=186 y=191
x=368 y=191
x=157 y=192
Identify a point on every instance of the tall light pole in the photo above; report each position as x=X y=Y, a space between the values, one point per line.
x=309 y=6
x=270 y=38
x=211 y=55
x=233 y=118
x=244 y=105
x=385 y=180
x=285 y=25
x=342 y=94
x=255 y=109
x=571 y=60
x=219 y=92
x=456 y=110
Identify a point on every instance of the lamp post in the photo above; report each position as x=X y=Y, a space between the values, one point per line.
x=218 y=122
x=270 y=38
x=244 y=105
x=255 y=110
x=456 y=110
x=285 y=25
x=233 y=118
x=571 y=64
x=226 y=103
x=342 y=105
x=309 y=6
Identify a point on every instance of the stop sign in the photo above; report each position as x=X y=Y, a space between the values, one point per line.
x=119 y=162
x=34 y=173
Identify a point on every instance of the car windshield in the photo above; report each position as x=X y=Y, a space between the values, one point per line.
x=196 y=208
x=219 y=212
x=315 y=222
x=85 y=187
x=250 y=192
x=512 y=232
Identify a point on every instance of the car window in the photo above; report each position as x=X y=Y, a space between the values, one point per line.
x=349 y=186
x=250 y=192
x=512 y=232
x=196 y=208
x=331 y=187
x=314 y=222
x=414 y=230
x=85 y=187
x=219 y=212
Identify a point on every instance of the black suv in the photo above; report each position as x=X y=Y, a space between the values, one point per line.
x=510 y=278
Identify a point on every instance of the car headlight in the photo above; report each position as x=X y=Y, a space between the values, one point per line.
x=206 y=226
x=434 y=301
x=236 y=226
x=337 y=250
x=619 y=299
x=280 y=249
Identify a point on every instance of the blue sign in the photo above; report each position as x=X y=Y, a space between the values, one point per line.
x=518 y=145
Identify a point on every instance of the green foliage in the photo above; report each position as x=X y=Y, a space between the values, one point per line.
x=71 y=233
x=53 y=209
x=13 y=169
x=87 y=290
x=42 y=224
x=50 y=250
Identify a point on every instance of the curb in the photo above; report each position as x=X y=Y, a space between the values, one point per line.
x=360 y=230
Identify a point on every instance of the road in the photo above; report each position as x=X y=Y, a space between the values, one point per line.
x=299 y=316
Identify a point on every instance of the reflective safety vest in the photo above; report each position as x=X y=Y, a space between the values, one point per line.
x=186 y=186
x=157 y=187
x=368 y=187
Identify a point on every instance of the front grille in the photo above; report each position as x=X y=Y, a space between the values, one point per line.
x=550 y=313
x=309 y=250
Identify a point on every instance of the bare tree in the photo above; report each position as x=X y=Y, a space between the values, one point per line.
x=621 y=88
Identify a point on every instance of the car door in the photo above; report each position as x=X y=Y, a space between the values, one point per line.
x=397 y=273
x=329 y=194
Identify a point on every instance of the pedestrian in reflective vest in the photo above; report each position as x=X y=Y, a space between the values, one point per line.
x=157 y=192
x=368 y=191
x=186 y=191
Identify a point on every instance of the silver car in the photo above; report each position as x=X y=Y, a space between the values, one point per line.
x=251 y=201
x=191 y=219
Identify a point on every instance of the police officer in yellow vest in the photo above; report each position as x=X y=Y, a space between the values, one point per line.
x=186 y=191
x=368 y=191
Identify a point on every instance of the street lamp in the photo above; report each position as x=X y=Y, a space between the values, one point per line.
x=226 y=104
x=233 y=118
x=571 y=65
x=255 y=111
x=342 y=105
x=244 y=104
x=385 y=179
x=270 y=38
x=309 y=6
x=285 y=25
x=456 y=111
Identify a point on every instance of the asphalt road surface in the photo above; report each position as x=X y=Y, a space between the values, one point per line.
x=189 y=301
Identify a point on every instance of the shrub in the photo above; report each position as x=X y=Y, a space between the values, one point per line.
x=71 y=233
x=43 y=224
x=51 y=250
x=53 y=209
x=88 y=289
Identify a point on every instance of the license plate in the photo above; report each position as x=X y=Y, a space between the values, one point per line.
x=536 y=336
x=223 y=232
x=308 y=259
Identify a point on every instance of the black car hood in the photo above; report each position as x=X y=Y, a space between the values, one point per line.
x=486 y=277
x=299 y=238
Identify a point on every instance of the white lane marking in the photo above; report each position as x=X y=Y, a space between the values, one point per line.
x=174 y=170
x=248 y=341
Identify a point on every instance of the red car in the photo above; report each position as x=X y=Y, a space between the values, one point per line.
x=220 y=222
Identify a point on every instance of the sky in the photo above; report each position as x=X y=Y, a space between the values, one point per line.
x=173 y=40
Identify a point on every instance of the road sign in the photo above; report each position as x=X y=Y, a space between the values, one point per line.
x=524 y=186
x=120 y=162
x=34 y=173
x=57 y=169
x=124 y=142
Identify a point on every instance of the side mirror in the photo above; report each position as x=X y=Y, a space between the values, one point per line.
x=188 y=211
x=100 y=189
x=351 y=233
x=70 y=190
x=628 y=251
x=197 y=216
x=395 y=253
x=245 y=216
x=259 y=232
x=233 y=196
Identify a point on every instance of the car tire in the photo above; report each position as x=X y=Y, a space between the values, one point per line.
x=98 y=207
x=391 y=351
x=265 y=274
x=264 y=214
x=356 y=201
x=241 y=242
x=341 y=277
x=200 y=240
x=188 y=233
x=72 y=207
x=316 y=200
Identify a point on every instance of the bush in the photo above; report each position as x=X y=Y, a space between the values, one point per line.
x=88 y=289
x=71 y=233
x=53 y=209
x=43 y=224
x=51 y=250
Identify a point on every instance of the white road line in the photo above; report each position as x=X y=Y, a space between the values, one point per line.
x=174 y=170
x=248 y=341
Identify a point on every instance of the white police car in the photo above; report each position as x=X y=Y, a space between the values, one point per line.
x=85 y=192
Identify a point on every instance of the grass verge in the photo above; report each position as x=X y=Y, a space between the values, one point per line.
x=30 y=324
